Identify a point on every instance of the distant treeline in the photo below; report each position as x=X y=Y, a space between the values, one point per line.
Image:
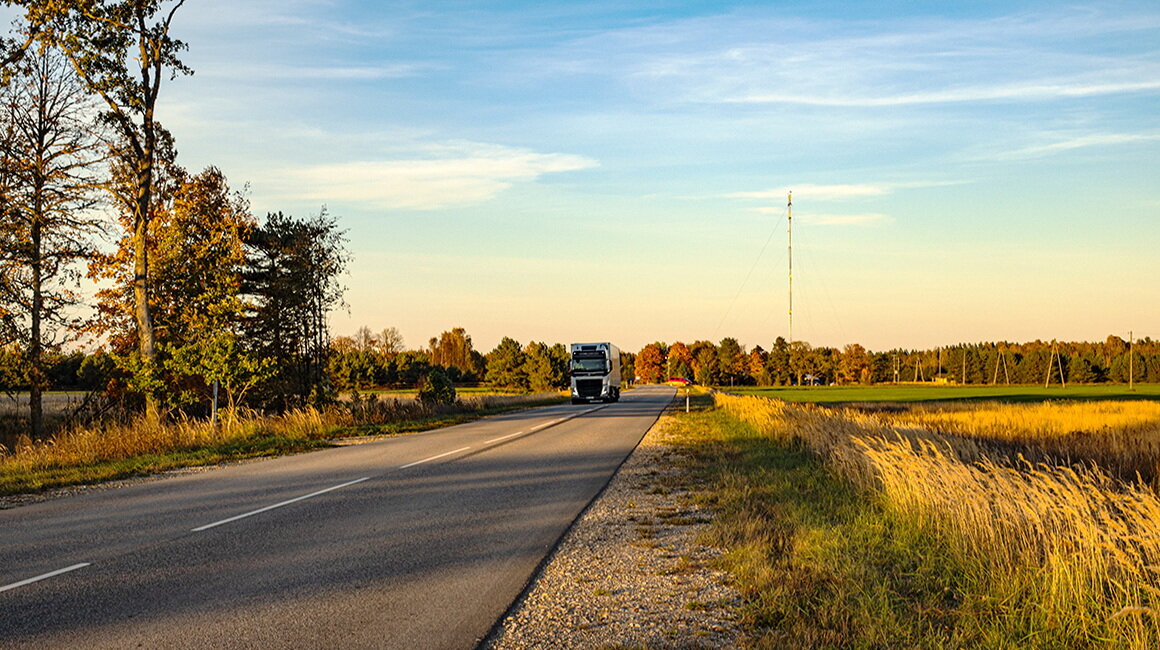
x=369 y=360
x=728 y=363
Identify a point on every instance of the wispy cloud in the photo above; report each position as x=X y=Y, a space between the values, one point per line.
x=982 y=93
x=1078 y=142
x=869 y=64
x=448 y=174
x=817 y=192
x=839 y=192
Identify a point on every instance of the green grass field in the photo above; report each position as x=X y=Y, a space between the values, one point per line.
x=919 y=393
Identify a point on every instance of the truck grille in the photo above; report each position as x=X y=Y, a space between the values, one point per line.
x=588 y=387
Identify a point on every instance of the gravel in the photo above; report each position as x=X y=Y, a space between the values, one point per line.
x=630 y=572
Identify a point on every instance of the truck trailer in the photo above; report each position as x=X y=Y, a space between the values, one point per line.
x=595 y=373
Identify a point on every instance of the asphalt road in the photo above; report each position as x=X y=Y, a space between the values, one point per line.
x=420 y=541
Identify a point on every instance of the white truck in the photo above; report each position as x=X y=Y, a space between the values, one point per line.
x=595 y=373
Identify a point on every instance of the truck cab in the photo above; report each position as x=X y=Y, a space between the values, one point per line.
x=595 y=371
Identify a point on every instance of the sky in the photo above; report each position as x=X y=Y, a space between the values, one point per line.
x=961 y=172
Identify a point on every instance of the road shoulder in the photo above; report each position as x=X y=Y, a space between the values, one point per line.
x=630 y=571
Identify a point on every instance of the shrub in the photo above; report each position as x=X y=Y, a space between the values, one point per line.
x=436 y=388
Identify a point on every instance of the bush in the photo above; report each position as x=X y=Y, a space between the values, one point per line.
x=436 y=388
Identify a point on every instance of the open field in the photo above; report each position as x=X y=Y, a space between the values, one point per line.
x=933 y=393
x=903 y=528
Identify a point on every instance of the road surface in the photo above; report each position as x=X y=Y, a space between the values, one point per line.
x=419 y=541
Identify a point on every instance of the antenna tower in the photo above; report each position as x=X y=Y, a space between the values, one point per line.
x=789 y=220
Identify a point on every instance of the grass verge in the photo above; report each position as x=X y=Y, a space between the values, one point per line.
x=119 y=451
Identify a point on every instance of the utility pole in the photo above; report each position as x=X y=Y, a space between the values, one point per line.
x=1131 y=361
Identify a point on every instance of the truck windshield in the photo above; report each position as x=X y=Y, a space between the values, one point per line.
x=589 y=365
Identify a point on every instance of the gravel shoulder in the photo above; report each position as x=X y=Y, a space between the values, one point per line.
x=630 y=573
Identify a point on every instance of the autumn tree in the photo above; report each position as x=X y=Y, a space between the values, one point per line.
x=650 y=363
x=757 y=366
x=680 y=360
x=453 y=350
x=49 y=160
x=854 y=365
x=123 y=52
x=196 y=245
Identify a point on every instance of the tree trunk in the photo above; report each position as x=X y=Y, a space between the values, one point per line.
x=36 y=374
x=146 y=337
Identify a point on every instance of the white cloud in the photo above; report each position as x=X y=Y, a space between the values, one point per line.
x=448 y=174
x=1079 y=142
x=983 y=93
x=838 y=192
x=817 y=192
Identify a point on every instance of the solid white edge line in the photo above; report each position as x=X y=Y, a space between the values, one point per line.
x=51 y=574
x=437 y=457
x=278 y=505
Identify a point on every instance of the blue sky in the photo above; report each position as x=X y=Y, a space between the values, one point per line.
x=618 y=171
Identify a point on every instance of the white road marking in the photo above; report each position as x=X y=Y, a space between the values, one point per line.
x=436 y=457
x=545 y=425
x=50 y=574
x=510 y=435
x=279 y=505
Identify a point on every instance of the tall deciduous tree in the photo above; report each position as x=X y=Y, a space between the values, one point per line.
x=48 y=166
x=650 y=363
x=680 y=360
x=454 y=350
x=196 y=245
x=123 y=52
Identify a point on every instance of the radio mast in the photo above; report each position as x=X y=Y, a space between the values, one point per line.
x=789 y=220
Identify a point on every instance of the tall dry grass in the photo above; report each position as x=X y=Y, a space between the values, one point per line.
x=1120 y=437
x=121 y=440
x=116 y=449
x=1051 y=551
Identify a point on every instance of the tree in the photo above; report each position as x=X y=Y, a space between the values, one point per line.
x=48 y=163
x=650 y=363
x=505 y=366
x=453 y=350
x=291 y=282
x=778 y=362
x=196 y=245
x=732 y=361
x=854 y=365
x=758 y=367
x=390 y=342
x=680 y=360
x=546 y=368
x=123 y=52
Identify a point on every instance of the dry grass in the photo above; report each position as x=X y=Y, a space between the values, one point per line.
x=1121 y=437
x=1051 y=553
x=115 y=450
